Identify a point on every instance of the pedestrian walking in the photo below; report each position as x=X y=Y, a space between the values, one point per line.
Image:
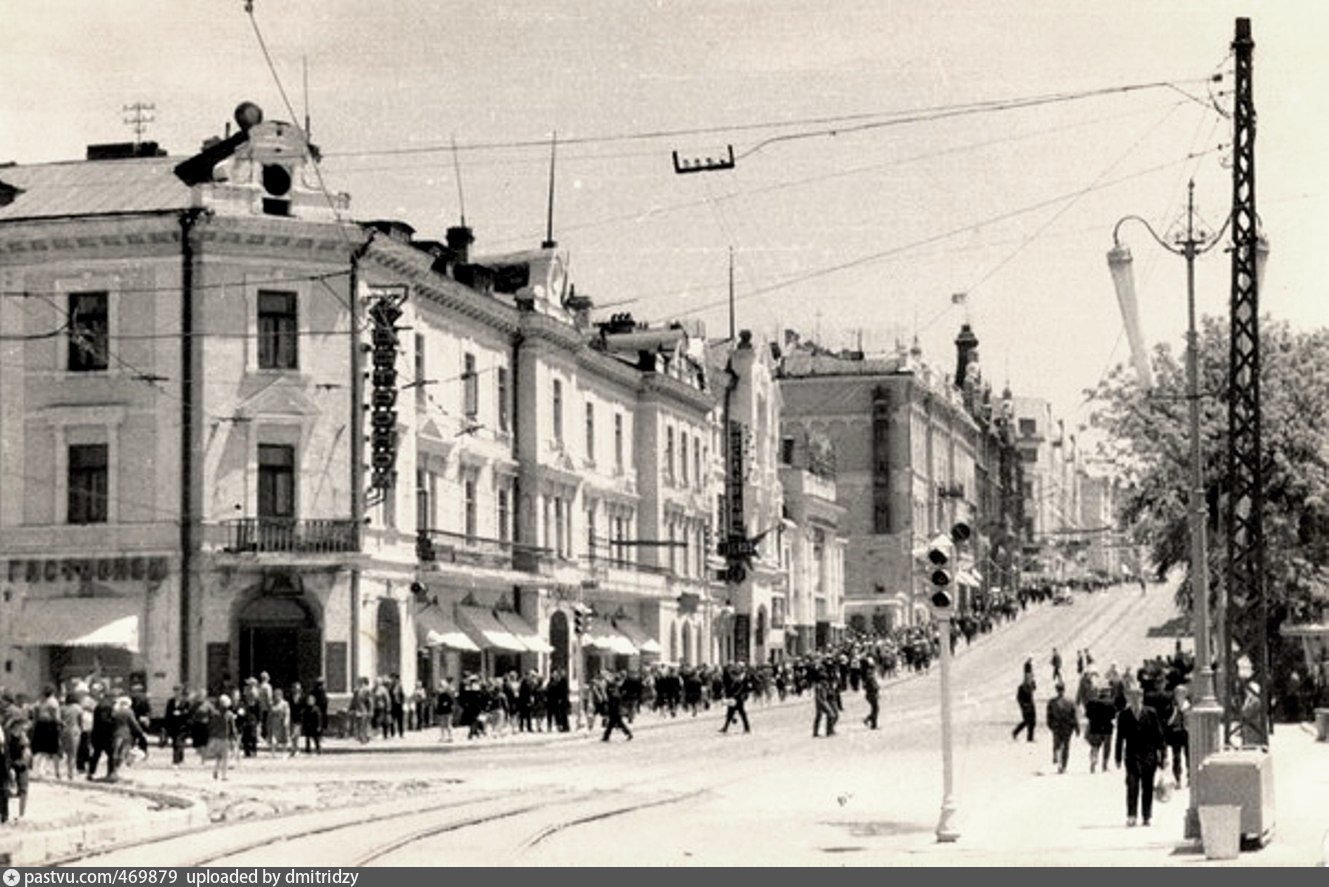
x=1100 y=715
x=1177 y=734
x=72 y=716
x=1056 y=665
x=737 y=688
x=871 y=692
x=613 y=707
x=313 y=717
x=4 y=773
x=1140 y=742
x=221 y=735
x=103 y=735
x=823 y=702
x=18 y=744
x=176 y=716
x=1024 y=697
x=445 y=704
x=1062 y=724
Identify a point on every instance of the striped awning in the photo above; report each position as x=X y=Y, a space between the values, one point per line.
x=607 y=639
x=487 y=632
x=79 y=622
x=640 y=639
x=435 y=627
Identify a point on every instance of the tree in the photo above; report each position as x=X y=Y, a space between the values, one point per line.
x=1147 y=438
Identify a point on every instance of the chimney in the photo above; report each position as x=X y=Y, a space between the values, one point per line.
x=966 y=352
x=460 y=239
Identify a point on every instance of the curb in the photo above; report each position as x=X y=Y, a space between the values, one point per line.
x=41 y=847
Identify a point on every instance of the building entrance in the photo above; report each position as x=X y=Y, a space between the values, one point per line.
x=280 y=635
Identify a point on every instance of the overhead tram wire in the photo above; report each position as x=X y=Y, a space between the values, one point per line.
x=274 y=281
x=934 y=238
x=1065 y=207
x=642 y=215
x=895 y=118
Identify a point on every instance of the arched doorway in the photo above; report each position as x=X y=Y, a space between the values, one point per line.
x=558 y=639
x=687 y=644
x=387 y=632
x=280 y=635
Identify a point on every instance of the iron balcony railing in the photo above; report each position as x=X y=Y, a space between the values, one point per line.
x=292 y=535
x=446 y=547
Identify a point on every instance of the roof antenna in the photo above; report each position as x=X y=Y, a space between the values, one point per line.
x=550 y=243
x=461 y=195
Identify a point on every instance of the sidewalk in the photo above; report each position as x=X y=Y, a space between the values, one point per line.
x=1078 y=818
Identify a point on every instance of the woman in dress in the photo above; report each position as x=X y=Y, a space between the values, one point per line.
x=46 y=733
x=443 y=710
x=221 y=735
x=279 y=722
x=71 y=733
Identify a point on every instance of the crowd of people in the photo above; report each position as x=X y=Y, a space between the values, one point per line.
x=1136 y=719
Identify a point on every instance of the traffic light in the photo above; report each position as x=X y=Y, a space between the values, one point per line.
x=383 y=395
x=582 y=618
x=941 y=553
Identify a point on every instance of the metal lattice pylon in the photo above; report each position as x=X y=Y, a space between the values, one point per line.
x=1247 y=652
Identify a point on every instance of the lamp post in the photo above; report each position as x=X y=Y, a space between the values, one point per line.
x=1206 y=713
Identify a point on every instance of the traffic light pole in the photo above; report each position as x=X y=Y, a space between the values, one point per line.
x=946 y=830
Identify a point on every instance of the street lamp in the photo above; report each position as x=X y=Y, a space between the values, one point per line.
x=1206 y=713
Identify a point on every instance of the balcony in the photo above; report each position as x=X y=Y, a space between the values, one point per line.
x=444 y=547
x=290 y=536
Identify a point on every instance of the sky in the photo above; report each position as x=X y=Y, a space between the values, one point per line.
x=874 y=178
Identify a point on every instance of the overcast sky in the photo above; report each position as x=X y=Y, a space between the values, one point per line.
x=1013 y=207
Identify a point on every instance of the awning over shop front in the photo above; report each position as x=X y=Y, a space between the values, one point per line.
x=523 y=631
x=640 y=639
x=487 y=632
x=435 y=627
x=969 y=578
x=607 y=639
x=79 y=622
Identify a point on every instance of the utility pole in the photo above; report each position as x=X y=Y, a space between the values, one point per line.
x=1248 y=596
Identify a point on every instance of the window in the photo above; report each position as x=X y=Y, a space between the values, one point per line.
x=669 y=455
x=422 y=500
x=1029 y=455
x=591 y=548
x=786 y=451
x=673 y=550
x=560 y=527
x=683 y=457
x=88 y=478
x=590 y=431
x=468 y=489
x=88 y=330
x=558 y=410
x=618 y=442
x=276 y=481
x=276 y=331
x=419 y=380
x=504 y=516
x=471 y=391
x=696 y=460
x=1028 y=427
x=502 y=398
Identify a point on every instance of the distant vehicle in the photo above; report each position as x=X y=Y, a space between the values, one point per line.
x=1062 y=597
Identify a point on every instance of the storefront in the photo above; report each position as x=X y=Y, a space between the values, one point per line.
x=101 y=619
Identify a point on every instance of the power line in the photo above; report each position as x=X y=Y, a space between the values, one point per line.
x=896 y=250
x=897 y=117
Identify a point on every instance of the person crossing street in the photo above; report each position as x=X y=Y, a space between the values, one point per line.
x=1062 y=723
x=737 y=688
x=613 y=707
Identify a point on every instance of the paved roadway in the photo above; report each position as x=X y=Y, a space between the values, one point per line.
x=682 y=794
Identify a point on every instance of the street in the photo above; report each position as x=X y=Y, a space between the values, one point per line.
x=682 y=794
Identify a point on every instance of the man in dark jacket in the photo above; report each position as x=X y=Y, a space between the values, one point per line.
x=1024 y=697
x=1140 y=736
x=103 y=735
x=871 y=692
x=823 y=700
x=613 y=706
x=176 y=720
x=737 y=687
x=1062 y=722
